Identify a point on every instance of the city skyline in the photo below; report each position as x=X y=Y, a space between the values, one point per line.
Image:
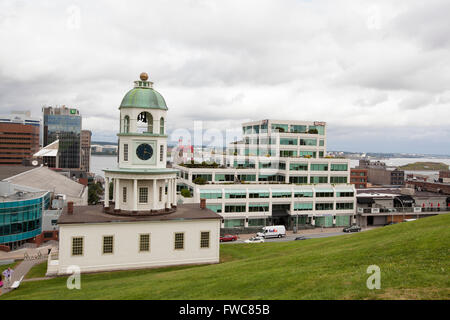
x=375 y=74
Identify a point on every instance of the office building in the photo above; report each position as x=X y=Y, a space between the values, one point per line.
x=85 y=150
x=19 y=137
x=380 y=174
x=278 y=174
x=64 y=124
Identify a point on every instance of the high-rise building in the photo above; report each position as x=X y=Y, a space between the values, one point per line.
x=64 y=124
x=19 y=138
x=85 y=150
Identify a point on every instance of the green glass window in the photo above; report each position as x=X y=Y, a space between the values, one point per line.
x=234 y=223
x=308 y=142
x=320 y=129
x=324 y=206
x=298 y=129
x=318 y=179
x=281 y=194
x=247 y=177
x=339 y=167
x=280 y=127
x=324 y=194
x=298 y=166
x=258 y=194
x=321 y=143
x=303 y=206
x=235 y=208
x=288 y=141
x=344 y=206
x=303 y=194
x=235 y=194
x=308 y=154
x=288 y=153
x=258 y=207
x=338 y=179
x=319 y=167
x=256 y=222
x=298 y=180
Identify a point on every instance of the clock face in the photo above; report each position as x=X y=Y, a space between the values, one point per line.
x=144 y=151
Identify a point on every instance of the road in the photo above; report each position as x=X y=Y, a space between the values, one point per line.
x=293 y=236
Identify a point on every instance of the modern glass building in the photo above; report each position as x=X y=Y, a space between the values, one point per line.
x=21 y=215
x=64 y=124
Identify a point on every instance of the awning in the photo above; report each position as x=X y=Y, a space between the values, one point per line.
x=258 y=191
x=324 y=190
x=405 y=199
x=236 y=191
x=282 y=190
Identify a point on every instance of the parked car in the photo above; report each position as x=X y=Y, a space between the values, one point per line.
x=353 y=228
x=272 y=232
x=301 y=238
x=228 y=237
x=255 y=240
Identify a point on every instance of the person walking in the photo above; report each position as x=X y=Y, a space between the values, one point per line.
x=10 y=273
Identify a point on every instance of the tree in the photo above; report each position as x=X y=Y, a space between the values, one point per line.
x=186 y=193
x=95 y=190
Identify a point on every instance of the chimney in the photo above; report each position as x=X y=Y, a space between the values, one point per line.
x=202 y=203
x=70 y=207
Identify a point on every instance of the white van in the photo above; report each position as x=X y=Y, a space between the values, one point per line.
x=272 y=232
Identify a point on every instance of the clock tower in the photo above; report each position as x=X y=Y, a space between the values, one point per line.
x=142 y=183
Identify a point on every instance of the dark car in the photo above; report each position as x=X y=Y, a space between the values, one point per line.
x=228 y=237
x=301 y=238
x=353 y=228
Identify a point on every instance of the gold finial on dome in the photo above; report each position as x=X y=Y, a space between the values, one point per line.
x=144 y=76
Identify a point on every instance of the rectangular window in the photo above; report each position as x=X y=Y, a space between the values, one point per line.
x=303 y=206
x=298 y=166
x=179 y=241
x=288 y=141
x=124 y=194
x=308 y=142
x=317 y=179
x=204 y=239
x=108 y=244
x=235 y=208
x=344 y=206
x=161 y=153
x=125 y=152
x=144 y=242
x=324 y=194
x=324 y=206
x=344 y=194
x=143 y=195
x=339 y=167
x=338 y=179
x=319 y=167
x=234 y=223
x=298 y=180
x=77 y=246
x=160 y=193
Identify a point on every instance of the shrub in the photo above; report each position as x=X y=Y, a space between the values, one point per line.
x=186 y=193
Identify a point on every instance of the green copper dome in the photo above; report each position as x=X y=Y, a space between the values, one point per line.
x=143 y=96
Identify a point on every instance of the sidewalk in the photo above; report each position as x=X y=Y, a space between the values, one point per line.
x=21 y=270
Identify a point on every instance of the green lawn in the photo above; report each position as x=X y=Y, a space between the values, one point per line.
x=413 y=256
x=37 y=271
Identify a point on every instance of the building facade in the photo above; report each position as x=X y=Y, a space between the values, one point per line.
x=86 y=150
x=18 y=142
x=64 y=124
x=358 y=177
x=278 y=174
x=21 y=214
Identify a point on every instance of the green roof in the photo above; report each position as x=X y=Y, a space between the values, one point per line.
x=143 y=98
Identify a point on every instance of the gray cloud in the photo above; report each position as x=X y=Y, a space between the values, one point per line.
x=226 y=62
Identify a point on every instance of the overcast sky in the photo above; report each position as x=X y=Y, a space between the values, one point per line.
x=378 y=74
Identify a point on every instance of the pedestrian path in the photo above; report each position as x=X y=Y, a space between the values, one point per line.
x=21 y=270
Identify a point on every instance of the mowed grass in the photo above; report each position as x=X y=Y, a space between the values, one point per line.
x=37 y=271
x=413 y=258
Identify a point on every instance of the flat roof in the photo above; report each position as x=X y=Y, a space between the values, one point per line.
x=9 y=171
x=95 y=214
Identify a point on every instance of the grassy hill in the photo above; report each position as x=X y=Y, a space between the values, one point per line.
x=413 y=257
x=423 y=166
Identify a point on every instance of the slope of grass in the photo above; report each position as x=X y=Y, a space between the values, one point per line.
x=37 y=271
x=413 y=257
